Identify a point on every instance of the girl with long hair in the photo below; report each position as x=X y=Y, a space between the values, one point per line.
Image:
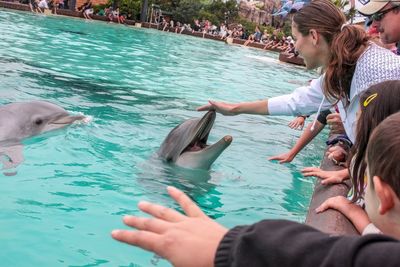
x=350 y=63
x=376 y=104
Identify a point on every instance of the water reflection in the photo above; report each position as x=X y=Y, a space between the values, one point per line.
x=155 y=175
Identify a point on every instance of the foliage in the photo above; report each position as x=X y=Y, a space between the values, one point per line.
x=126 y=7
x=287 y=28
x=204 y=14
x=341 y=4
x=223 y=10
x=131 y=7
x=350 y=14
x=97 y=8
x=186 y=11
x=269 y=29
x=280 y=35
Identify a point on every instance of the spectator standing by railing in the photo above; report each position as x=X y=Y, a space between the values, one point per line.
x=43 y=5
x=385 y=16
x=196 y=26
x=56 y=4
x=255 y=37
x=87 y=10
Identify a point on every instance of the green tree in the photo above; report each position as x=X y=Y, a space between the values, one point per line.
x=187 y=11
x=341 y=4
x=130 y=7
x=223 y=10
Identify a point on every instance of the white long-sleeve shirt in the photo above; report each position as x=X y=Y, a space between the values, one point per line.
x=375 y=65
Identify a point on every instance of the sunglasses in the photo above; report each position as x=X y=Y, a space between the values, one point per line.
x=378 y=16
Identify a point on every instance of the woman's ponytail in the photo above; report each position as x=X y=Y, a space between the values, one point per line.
x=346 y=47
x=347 y=43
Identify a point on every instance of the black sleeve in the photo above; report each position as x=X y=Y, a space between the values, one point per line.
x=322 y=116
x=284 y=243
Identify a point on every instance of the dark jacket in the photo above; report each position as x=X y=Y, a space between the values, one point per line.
x=284 y=243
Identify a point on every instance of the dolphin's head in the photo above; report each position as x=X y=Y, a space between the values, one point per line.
x=186 y=145
x=26 y=119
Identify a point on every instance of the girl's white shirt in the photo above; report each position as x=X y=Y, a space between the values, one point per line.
x=375 y=65
x=371 y=229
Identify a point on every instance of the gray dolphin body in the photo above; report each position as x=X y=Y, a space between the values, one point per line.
x=186 y=145
x=24 y=119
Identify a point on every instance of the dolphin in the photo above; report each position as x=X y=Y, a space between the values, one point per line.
x=25 y=119
x=186 y=145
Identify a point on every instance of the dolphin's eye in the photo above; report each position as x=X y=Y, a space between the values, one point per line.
x=38 y=121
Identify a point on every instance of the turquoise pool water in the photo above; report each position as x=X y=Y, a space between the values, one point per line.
x=76 y=184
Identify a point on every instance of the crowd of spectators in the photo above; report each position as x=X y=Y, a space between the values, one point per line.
x=86 y=9
x=114 y=14
x=271 y=41
x=39 y=6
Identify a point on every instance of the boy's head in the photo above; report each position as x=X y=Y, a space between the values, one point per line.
x=383 y=187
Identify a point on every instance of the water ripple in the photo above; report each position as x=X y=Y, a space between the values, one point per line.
x=137 y=84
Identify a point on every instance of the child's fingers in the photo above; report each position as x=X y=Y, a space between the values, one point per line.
x=147 y=224
x=189 y=207
x=331 y=180
x=275 y=157
x=161 y=212
x=308 y=174
x=323 y=207
x=310 y=169
x=146 y=240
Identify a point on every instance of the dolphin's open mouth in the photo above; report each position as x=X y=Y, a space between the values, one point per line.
x=199 y=140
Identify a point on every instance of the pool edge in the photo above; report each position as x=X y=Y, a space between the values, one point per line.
x=330 y=221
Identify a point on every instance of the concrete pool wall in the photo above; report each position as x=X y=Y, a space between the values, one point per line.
x=330 y=221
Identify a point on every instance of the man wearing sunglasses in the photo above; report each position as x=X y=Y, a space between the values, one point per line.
x=385 y=16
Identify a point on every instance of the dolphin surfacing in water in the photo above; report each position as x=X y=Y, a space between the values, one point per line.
x=25 y=119
x=186 y=145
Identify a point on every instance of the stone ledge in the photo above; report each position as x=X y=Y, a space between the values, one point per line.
x=330 y=221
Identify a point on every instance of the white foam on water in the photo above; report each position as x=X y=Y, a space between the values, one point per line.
x=88 y=118
x=265 y=59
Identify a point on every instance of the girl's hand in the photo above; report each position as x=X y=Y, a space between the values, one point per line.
x=327 y=177
x=226 y=109
x=297 y=123
x=283 y=158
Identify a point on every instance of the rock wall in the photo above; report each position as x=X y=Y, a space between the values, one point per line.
x=257 y=11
